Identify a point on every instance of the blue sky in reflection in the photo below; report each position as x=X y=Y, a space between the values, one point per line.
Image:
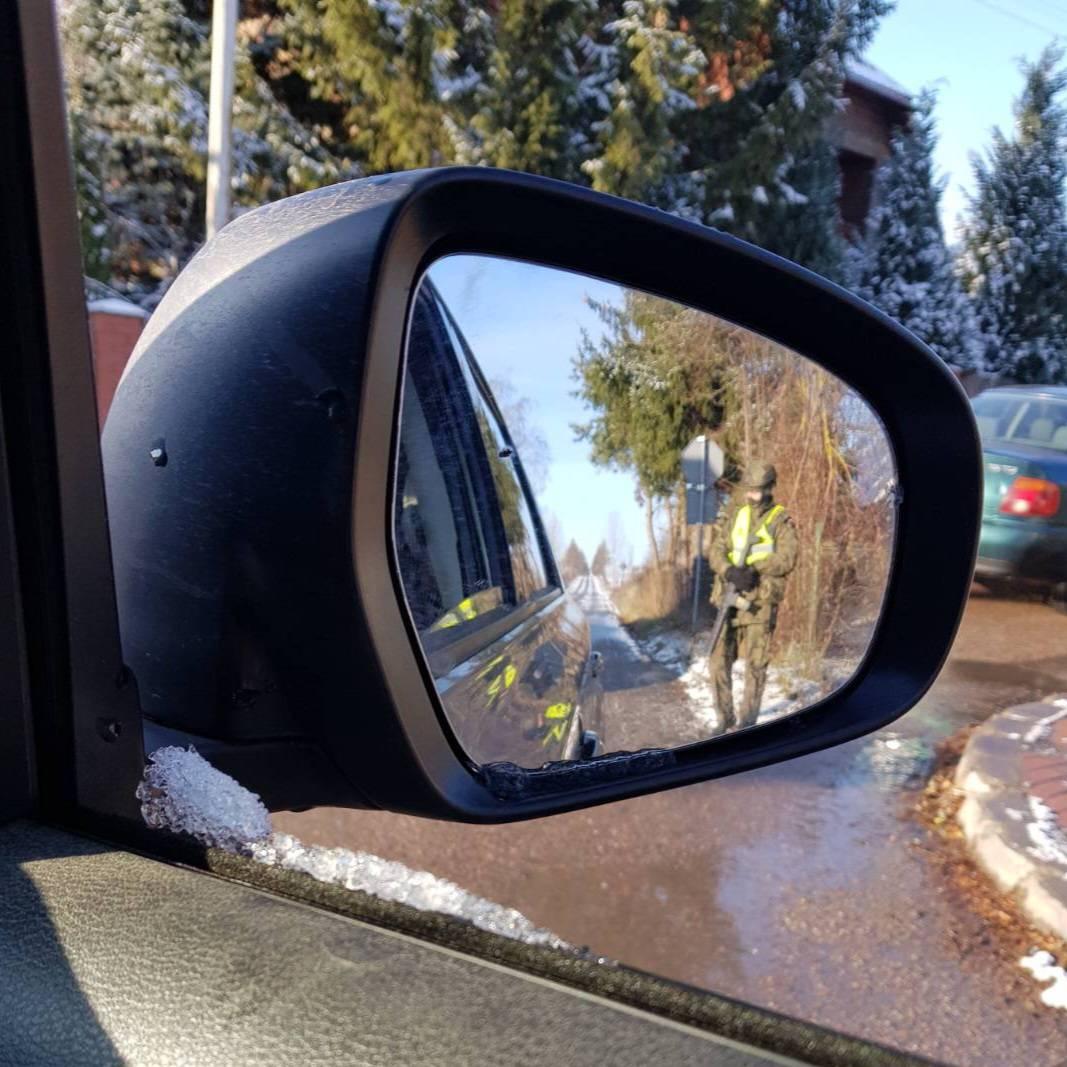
x=524 y=324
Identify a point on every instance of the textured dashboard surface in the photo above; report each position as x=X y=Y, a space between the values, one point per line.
x=108 y=957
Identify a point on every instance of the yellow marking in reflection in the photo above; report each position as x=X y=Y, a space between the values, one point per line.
x=562 y=713
x=502 y=682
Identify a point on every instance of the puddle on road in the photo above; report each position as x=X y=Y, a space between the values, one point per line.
x=892 y=761
x=970 y=690
x=842 y=838
x=840 y=831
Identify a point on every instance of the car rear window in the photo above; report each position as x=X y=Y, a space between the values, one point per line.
x=1040 y=422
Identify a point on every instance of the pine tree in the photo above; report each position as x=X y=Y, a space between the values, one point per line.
x=1014 y=260
x=527 y=113
x=601 y=559
x=137 y=78
x=902 y=264
x=762 y=143
x=405 y=71
x=653 y=381
x=804 y=223
x=718 y=110
x=714 y=109
x=650 y=79
x=573 y=563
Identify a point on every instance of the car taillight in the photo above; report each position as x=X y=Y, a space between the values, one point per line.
x=1031 y=497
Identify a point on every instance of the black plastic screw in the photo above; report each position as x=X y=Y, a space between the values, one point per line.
x=109 y=729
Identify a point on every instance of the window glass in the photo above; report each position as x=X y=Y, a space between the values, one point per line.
x=995 y=414
x=445 y=562
x=1027 y=420
x=524 y=547
x=466 y=542
x=1040 y=424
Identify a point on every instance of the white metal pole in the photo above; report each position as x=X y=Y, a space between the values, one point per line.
x=223 y=40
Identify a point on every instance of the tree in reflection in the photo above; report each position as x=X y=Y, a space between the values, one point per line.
x=572 y=563
x=653 y=382
x=659 y=375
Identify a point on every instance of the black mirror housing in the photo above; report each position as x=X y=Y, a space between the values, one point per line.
x=249 y=456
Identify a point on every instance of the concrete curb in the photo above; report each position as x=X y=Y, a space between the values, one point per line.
x=1013 y=836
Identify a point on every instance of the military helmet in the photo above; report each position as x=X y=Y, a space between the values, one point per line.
x=759 y=474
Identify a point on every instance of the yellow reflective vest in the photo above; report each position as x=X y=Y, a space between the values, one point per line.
x=763 y=540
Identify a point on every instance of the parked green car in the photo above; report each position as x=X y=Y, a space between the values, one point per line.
x=1024 y=511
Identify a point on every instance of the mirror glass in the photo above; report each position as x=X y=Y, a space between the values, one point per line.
x=621 y=523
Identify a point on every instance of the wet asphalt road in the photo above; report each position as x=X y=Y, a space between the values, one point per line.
x=802 y=887
x=645 y=703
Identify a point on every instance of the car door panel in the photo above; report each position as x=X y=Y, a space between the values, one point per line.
x=526 y=698
x=114 y=958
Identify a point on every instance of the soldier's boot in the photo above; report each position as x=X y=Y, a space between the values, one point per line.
x=722 y=667
x=756 y=648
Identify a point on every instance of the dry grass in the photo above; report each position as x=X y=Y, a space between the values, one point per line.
x=652 y=595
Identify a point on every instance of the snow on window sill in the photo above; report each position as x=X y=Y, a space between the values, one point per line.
x=183 y=793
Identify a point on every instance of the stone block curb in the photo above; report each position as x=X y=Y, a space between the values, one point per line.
x=1014 y=837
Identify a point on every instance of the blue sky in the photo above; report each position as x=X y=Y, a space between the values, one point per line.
x=524 y=323
x=969 y=51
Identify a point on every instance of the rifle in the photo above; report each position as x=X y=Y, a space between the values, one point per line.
x=729 y=598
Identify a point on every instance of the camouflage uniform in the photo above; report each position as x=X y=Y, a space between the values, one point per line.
x=749 y=629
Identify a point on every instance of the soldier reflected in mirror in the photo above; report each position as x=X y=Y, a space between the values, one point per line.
x=753 y=551
x=545 y=679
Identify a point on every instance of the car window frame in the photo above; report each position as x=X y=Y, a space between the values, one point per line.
x=78 y=700
x=544 y=548
x=461 y=440
x=445 y=650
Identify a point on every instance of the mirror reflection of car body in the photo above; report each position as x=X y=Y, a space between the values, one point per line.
x=508 y=648
x=1024 y=507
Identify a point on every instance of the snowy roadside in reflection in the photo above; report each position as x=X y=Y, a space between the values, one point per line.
x=786 y=691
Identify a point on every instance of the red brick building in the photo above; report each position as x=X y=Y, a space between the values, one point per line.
x=114 y=326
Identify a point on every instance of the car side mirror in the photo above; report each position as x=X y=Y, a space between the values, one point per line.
x=335 y=575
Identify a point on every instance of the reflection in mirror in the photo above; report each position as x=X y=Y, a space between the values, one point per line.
x=621 y=523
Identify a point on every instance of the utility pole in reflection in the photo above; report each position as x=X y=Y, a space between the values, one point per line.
x=220 y=112
x=702 y=467
x=700 y=531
